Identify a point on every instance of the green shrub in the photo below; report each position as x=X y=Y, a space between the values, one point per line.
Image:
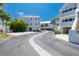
x=18 y=26
x=5 y=36
x=57 y=32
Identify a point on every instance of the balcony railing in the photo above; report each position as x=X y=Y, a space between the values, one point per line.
x=69 y=23
x=68 y=13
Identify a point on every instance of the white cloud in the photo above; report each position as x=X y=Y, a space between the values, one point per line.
x=20 y=13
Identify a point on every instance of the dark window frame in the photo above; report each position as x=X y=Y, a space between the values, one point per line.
x=62 y=11
x=74 y=8
x=63 y=21
x=35 y=23
x=66 y=10
x=70 y=9
x=70 y=19
x=66 y=20
x=31 y=24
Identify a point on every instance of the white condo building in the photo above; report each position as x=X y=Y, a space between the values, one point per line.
x=33 y=22
x=67 y=16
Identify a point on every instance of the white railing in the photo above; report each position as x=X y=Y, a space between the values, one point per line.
x=68 y=23
x=68 y=13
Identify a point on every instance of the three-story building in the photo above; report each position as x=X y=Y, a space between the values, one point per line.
x=67 y=16
x=33 y=22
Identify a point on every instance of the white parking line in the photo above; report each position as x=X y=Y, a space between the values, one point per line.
x=38 y=49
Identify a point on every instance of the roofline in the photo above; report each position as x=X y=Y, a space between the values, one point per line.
x=63 y=6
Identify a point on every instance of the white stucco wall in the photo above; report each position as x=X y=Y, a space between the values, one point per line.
x=74 y=36
x=67 y=15
x=32 y=22
x=66 y=7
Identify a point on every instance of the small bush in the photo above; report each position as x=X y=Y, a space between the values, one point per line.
x=4 y=36
x=18 y=26
x=57 y=32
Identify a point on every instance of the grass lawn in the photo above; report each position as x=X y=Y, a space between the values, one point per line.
x=5 y=36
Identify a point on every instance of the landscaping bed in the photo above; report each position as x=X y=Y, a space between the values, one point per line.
x=5 y=36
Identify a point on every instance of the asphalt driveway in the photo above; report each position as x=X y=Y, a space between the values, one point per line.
x=57 y=47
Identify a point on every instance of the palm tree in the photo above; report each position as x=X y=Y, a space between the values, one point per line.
x=3 y=15
x=1 y=4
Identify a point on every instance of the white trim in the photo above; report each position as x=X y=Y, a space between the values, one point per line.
x=65 y=26
x=39 y=49
x=66 y=5
x=63 y=6
x=67 y=16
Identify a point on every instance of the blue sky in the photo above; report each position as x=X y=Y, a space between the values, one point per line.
x=46 y=11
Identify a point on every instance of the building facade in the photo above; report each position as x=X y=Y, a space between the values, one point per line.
x=46 y=25
x=33 y=22
x=74 y=32
x=67 y=16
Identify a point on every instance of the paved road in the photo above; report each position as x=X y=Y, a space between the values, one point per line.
x=18 y=46
x=57 y=47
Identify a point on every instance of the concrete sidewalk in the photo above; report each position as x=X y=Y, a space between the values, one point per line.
x=20 y=33
x=62 y=37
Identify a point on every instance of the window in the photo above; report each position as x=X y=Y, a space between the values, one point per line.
x=66 y=20
x=35 y=18
x=62 y=20
x=70 y=9
x=66 y=10
x=35 y=23
x=62 y=11
x=31 y=23
x=74 y=7
x=38 y=18
x=70 y=19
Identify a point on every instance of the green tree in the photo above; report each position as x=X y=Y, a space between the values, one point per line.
x=2 y=5
x=17 y=25
x=3 y=14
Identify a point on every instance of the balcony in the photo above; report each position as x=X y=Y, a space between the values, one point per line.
x=66 y=24
x=68 y=13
